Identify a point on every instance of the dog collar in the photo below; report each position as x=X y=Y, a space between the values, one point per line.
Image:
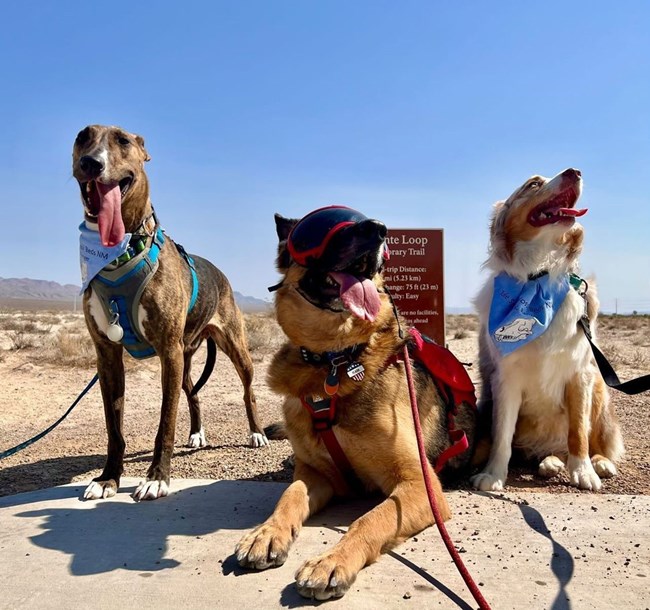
x=335 y=360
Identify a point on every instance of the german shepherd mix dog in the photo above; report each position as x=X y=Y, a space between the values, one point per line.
x=549 y=399
x=344 y=341
x=144 y=293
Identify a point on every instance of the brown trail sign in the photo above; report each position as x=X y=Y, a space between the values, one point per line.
x=414 y=276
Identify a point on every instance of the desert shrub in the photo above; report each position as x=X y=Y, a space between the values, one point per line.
x=461 y=333
x=263 y=332
x=70 y=349
x=21 y=340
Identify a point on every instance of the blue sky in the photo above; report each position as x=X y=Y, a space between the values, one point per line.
x=420 y=114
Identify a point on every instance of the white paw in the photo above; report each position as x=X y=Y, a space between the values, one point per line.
x=551 y=466
x=604 y=468
x=197 y=440
x=582 y=474
x=486 y=481
x=257 y=440
x=151 y=490
x=97 y=490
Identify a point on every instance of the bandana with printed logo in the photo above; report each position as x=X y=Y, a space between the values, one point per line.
x=521 y=311
x=93 y=256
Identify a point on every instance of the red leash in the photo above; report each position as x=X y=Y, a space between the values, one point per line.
x=471 y=585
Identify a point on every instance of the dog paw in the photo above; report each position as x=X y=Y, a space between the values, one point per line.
x=151 y=490
x=582 y=474
x=100 y=489
x=264 y=547
x=197 y=440
x=486 y=481
x=324 y=577
x=257 y=439
x=550 y=466
x=604 y=468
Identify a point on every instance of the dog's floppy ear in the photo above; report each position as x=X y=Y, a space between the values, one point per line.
x=140 y=141
x=283 y=227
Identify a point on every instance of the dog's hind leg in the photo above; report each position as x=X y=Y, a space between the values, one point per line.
x=110 y=367
x=197 y=433
x=230 y=338
x=157 y=483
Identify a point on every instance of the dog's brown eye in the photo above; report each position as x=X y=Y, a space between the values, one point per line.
x=123 y=141
x=535 y=184
x=83 y=136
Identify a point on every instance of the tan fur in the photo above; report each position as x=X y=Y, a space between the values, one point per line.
x=547 y=397
x=175 y=334
x=375 y=429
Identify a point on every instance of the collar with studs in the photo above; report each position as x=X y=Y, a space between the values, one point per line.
x=335 y=360
x=140 y=241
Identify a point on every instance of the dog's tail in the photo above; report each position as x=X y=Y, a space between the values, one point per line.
x=276 y=432
x=210 y=360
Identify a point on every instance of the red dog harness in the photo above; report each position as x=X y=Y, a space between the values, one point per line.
x=452 y=382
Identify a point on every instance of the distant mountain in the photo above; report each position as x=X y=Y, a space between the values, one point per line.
x=251 y=304
x=27 y=289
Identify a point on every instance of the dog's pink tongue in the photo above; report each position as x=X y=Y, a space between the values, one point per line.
x=360 y=296
x=111 y=225
x=573 y=211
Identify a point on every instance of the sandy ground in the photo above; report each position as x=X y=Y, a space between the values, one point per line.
x=38 y=384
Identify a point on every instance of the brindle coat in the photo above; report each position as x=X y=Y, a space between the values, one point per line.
x=111 y=155
x=374 y=427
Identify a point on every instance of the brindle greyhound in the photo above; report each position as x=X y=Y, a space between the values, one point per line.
x=108 y=163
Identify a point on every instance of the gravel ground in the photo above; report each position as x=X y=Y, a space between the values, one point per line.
x=34 y=393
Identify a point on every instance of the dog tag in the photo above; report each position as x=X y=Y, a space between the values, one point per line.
x=356 y=371
x=115 y=332
x=331 y=385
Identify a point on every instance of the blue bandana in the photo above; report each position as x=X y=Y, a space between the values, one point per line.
x=521 y=311
x=93 y=256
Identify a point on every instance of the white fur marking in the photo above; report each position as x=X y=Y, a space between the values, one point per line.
x=486 y=481
x=582 y=474
x=258 y=440
x=197 y=440
x=151 y=490
x=96 y=490
x=103 y=155
x=97 y=313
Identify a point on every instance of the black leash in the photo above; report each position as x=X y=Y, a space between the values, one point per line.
x=633 y=386
x=40 y=435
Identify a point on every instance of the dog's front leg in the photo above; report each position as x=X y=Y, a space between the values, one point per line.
x=578 y=397
x=507 y=401
x=269 y=543
x=157 y=483
x=110 y=368
x=404 y=513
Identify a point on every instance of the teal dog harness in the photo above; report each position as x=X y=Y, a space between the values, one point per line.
x=120 y=285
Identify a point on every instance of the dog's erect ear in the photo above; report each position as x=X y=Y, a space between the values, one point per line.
x=283 y=227
x=498 y=246
x=140 y=141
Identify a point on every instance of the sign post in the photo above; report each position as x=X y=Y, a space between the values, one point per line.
x=414 y=276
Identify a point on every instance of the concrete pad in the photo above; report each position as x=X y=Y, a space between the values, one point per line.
x=526 y=551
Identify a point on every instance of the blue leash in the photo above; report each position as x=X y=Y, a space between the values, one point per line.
x=39 y=436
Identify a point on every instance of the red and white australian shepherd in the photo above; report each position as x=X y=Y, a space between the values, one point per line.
x=548 y=396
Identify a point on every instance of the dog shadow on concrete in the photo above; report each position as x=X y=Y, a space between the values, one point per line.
x=135 y=536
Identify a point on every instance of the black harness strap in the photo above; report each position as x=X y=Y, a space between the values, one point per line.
x=633 y=386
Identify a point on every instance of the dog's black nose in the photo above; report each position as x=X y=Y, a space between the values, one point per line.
x=572 y=173
x=91 y=166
